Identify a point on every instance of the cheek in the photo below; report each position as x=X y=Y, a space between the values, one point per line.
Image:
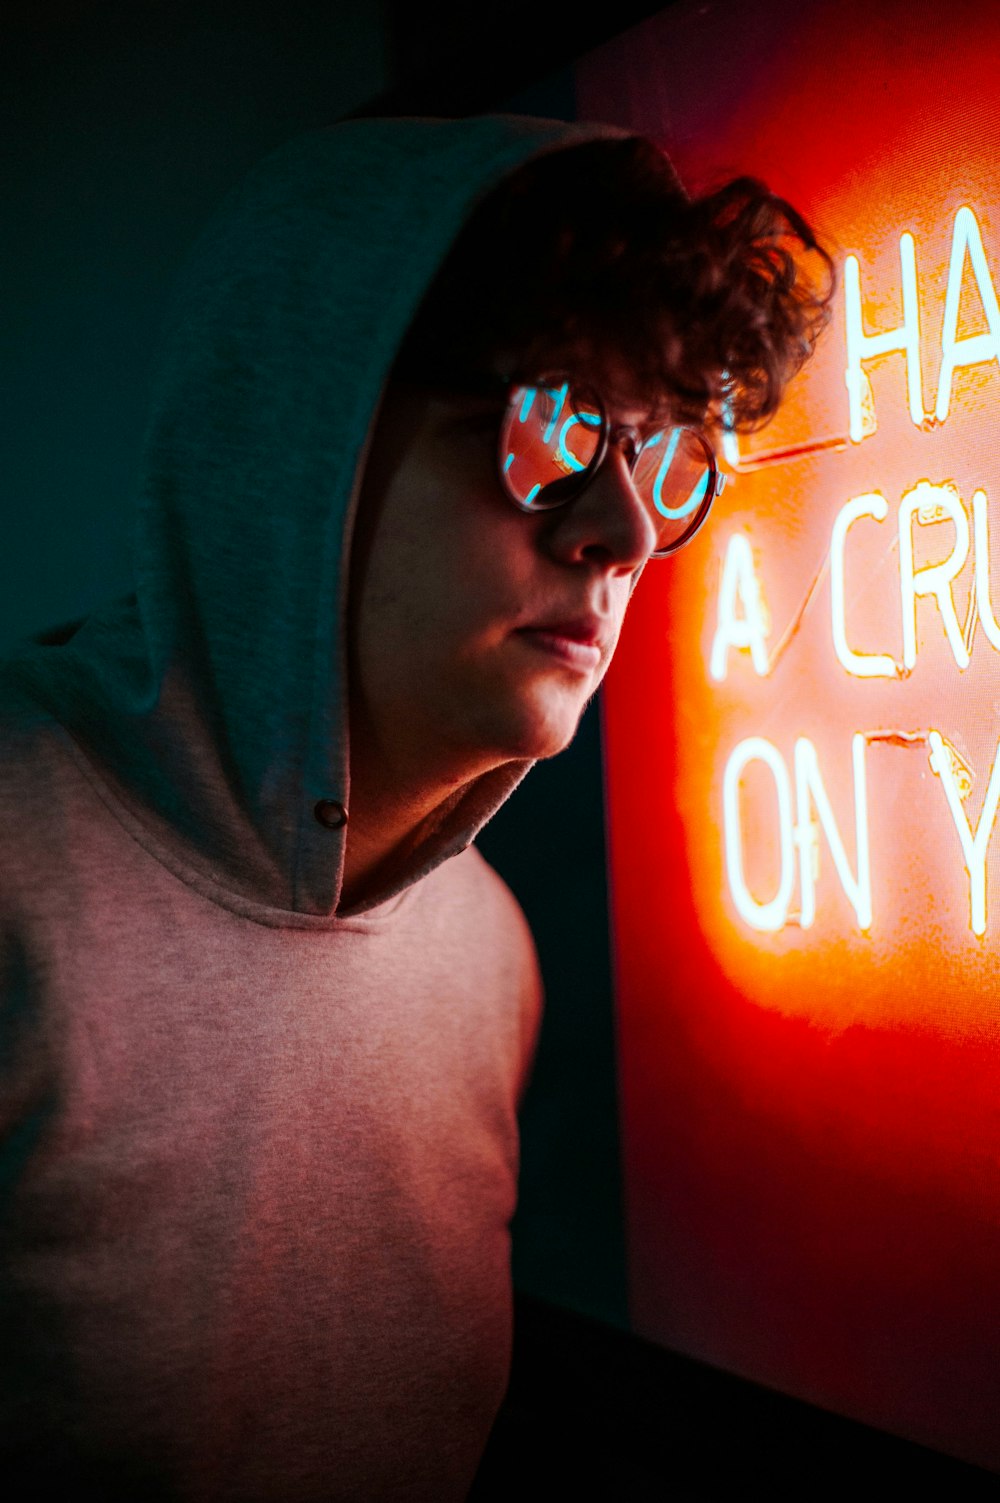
x=482 y=561
x=418 y=603
x=450 y=566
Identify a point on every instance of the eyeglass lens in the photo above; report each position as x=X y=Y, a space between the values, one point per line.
x=550 y=438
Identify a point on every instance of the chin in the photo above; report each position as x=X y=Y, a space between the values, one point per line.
x=521 y=721
x=547 y=734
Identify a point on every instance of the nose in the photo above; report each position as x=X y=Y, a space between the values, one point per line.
x=606 y=524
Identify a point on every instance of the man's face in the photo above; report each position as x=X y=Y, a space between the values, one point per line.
x=479 y=632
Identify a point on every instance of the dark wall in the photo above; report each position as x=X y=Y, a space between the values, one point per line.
x=124 y=125
x=548 y=843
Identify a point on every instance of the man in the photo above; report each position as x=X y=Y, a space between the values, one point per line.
x=434 y=394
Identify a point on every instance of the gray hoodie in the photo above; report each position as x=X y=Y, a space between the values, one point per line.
x=257 y=1155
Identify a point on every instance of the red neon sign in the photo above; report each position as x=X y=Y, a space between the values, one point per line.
x=803 y=752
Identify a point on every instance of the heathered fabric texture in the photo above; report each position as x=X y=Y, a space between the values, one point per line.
x=256 y=1178
x=257 y=1154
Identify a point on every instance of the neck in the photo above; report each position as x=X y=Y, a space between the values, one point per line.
x=388 y=820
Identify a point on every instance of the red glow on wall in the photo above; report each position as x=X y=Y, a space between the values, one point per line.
x=809 y=1036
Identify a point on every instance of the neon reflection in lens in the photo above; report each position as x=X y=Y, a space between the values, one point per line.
x=591 y=420
x=674 y=514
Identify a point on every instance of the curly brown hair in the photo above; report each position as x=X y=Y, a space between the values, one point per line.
x=595 y=251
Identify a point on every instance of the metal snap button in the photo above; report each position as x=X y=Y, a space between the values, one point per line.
x=330 y=814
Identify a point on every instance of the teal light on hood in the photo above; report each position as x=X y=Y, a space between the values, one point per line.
x=208 y=704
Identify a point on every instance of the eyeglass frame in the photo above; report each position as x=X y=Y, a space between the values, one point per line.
x=567 y=487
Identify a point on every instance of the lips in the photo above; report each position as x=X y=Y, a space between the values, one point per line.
x=592 y=631
x=579 y=642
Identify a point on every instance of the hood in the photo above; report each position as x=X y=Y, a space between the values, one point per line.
x=208 y=705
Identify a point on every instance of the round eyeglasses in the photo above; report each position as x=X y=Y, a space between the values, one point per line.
x=553 y=440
